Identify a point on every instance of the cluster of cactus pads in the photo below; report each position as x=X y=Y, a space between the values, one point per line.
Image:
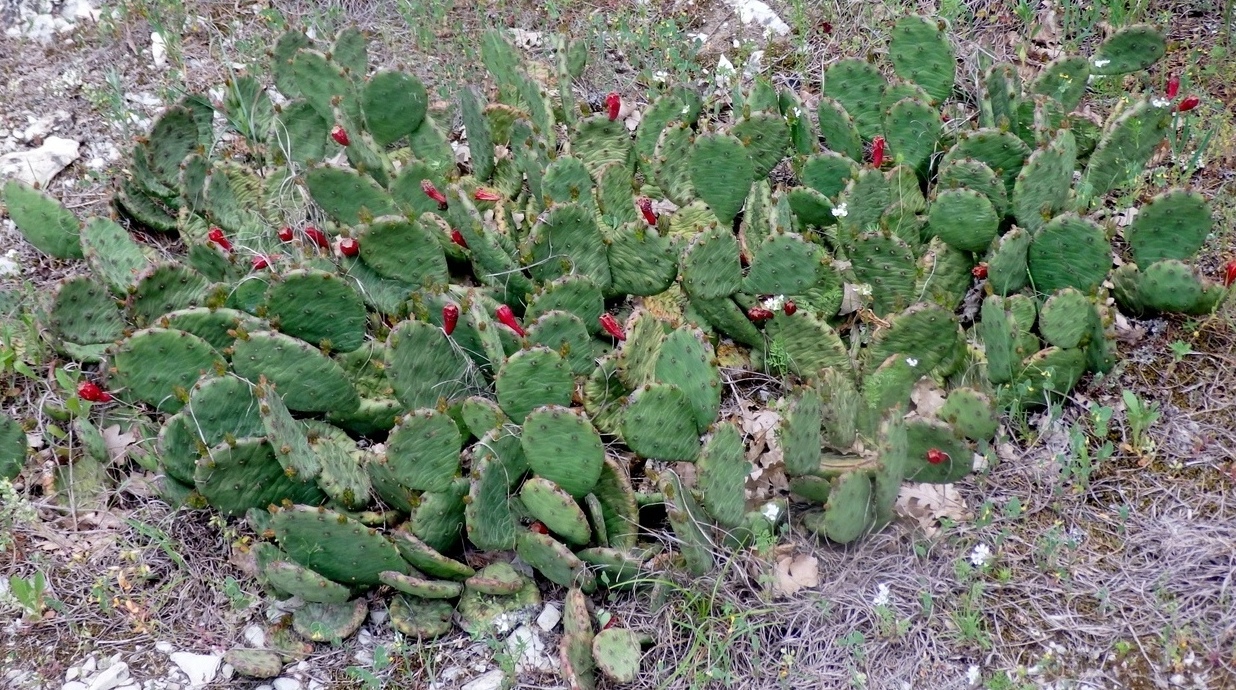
x=475 y=356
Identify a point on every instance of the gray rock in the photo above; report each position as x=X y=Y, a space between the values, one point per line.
x=287 y=684
x=492 y=680
x=39 y=166
x=115 y=675
x=200 y=669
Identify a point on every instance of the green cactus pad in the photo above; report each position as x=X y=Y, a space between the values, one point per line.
x=687 y=360
x=641 y=262
x=944 y=274
x=970 y=413
x=531 y=378
x=922 y=53
x=890 y=472
x=617 y=498
x=886 y=263
x=112 y=255
x=317 y=307
x=300 y=131
x=722 y=475
x=617 y=654
x=1043 y=185
x=426 y=559
x=1131 y=49
x=925 y=332
x=394 y=104
x=480 y=613
x=838 y=130
x=864 y=200
x=710 y=265
x=1063 y=79
x=811 y=487
x=803 y=137
x=212 y=325
x=1174 y=225
x=963 y=218
x=567 y=181
x=912 y=129
x=658 y=422
x=1007 y=263
x=784 y=264
x=336 y=546
x=244 y=474
x=665 y=109
x=673 y=163
x=1051 y=372
x=565 y=334
x=12 y=448
x=599 y=141
x=809 y=343
x=577 y=295
x=799 y=432
x=725 y=316
x=308 y=380
x=423 y=365
x=423 y=450
x=554 y=560
x=299 y=581
x=1125 y=149
x=562 y=446
x=857 y=85
x=721 y=172
x=1065 y=318
x=389 y=492
x=405 y=251
x=43 y=221
x=497 y=579
x=489 y=521
x=575 y=650
x=1174 y=286
x=288 y=437
x=482 y=415
x=604 y=396
x=892 y=382
x=254 y=663
x=328 y=622
x=419 y=587
x=567 y=240
x=1001 y=151
x=1069 y=251
x=687 y=519
x=346 y=195
x=923 y=435
x=556 y=509
x=766 y=137
x=152 y=364
x=84 y=313
x=341 y=475
x=849 y=512
x=828 y=172
x=967 y=173
x=842 y=407
x=480 y=139
x=421 y=619
x=596 y=518
x=998 y=330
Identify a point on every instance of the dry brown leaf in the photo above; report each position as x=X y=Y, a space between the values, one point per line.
x=927 y=504
x=117 y=443
x=927 y=397
x=794 y=573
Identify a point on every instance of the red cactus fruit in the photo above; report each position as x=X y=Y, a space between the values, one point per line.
x=758 y=314
x=216 y=235
x=316 y=236
x=262 y=261
x=539 y=527
x=91 y=392
x=877 y=151
x=486 y=194
x=1189 y=103
x=458 y=238
x=936 y=456
x=789 y=308
x=340 y=135
x=979 y=271
x=285 y=234
x=349 y=246
x=450 y=317
x=433 y=193
x=1229 y=273
x=645 y=207
x=507 y=318
x=613 y=103
x=612 y=327
x=1173 y=86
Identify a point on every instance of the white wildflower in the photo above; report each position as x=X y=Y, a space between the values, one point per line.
x=1102 y=63
x=863 y=289
x=840 y=210
x=980 y=556
x=772 y=511
x=973 y=675
x=798 y=112
x=911 y=361
x=774 y=303
x=1160 y=102
x=883 y=597
x=660 y=76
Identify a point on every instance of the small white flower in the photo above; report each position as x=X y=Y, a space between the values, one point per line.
x=772 y=511
x=911 y=361
x=1159 y=102
x=863 y=289
x=1102 y=63
x=840 y=210
x=980 y=556
x=883 y=597
x=798 y=112
x=973 y=675
x=661 y=76
x=774 y=303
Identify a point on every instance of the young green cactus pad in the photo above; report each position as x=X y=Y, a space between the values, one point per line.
x=999 y=150
x=968 y=173
x=658 y=422
x=721 y=172
x=1130 y=49
x=497 y=579
x=335 y=546
x=1065 y=318
x=564 y=448
x=554 y=560
x=766 y=138
x=1043 y=185
x=849 y=512
x=113 y=256
x=971 y=413
x=1069 y=251
x=394 y=104
x=687 y=360
x=153 y=364
x=532 y=378
x=346 y=195
x=809 y=343
x=287 y=436
x=578 y=666
x=426 y=559
x=324 y=622
x=556 y=509
x=244 y=474
x=489 y=520
x=964 y=219
x=341 y=477
x=784 y=264
x=317 y=307
x=641 y=261
x=254 y=663
x=1174 y=225
x=401 y=250
x=421 y=619
x=857 y=86
x=599 y=141
x=423 y=365
x=922 y=53
x=299 y=581
x=1126 y=147
x=565 y=334
x=43 y=221
x=1064 y=79
x=945 y=274
x=936 y=454
x=1167 y=285
x=1007 y=262
x=617 y=652
x=308 y=380
x=723 y=470
x=565 y=241
x=84 y=317
x=422 y=450
x=618 y=507
x=419 y=587
x=912 y=128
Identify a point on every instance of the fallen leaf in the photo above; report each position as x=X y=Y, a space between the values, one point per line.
x=927 y=504
x=927 y=397
x=117 y=443
x=795 y=573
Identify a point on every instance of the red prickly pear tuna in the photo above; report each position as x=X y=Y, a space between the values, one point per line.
x=486 y=194
x=538 y=527
x=507 y=318
x=789 y=308
x=433 y=193
x=645 y=207
x=877 y=151
x=262 y=261
x=91 y=392
x=612 y=327
x=1173 y=86
x=613 y=103
x=349 y=246
x=936 y=456
x=1229 y=273
x=285 y=234
x=758 y=314
x=979 y=271
x=450 y=317
x=316 y=236
x=216 y=235
x=340 y=135
x=1189 y=103
x=458 y=238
